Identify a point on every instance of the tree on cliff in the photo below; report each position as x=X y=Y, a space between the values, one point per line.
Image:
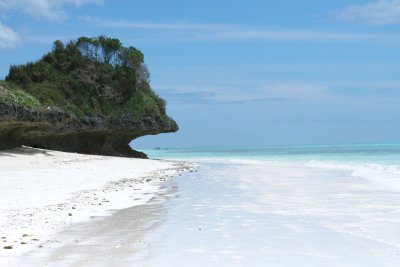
x=91 y=76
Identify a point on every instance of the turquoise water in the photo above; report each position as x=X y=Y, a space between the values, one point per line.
x=388 y=154
x=317 y=205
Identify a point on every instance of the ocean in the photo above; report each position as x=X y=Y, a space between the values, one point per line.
x=317 y=205
x=388 y=154
x=279 y=206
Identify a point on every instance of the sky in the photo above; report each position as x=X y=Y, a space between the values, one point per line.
x=241 y=73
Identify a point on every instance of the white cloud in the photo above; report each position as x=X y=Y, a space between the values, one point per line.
x=377 y=85
x=271 y=35
x=376 y=13
x=42 y=9
x=8 y=38
x=310 y=92
x=150 y=25
x=228 y=32
x=39 y=9
x=294 y=91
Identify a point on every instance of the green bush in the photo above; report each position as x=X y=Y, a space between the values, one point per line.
x=18 y=97
x=88 y=77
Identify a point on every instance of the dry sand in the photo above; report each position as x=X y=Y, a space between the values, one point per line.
x=43 y=192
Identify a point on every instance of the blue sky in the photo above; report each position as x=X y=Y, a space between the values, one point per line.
x=241 y=72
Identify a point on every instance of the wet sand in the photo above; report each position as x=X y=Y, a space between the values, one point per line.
x=103 y=241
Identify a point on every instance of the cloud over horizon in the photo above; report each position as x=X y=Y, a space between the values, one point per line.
x=268 y=92
x=295 y=91
x=375 y=13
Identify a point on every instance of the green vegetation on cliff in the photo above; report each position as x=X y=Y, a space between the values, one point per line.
x=11 y=94
x=87 y=77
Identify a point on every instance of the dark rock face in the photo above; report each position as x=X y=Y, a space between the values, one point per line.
x=56 y=130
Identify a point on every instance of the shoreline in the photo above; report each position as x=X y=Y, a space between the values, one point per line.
x=43 y=192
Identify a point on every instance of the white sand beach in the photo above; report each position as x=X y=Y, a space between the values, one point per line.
x=42 y=192
x=63 y=210
x=241 y=212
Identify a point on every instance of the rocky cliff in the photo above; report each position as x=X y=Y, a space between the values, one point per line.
x=71 y=102
x=58 y=131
